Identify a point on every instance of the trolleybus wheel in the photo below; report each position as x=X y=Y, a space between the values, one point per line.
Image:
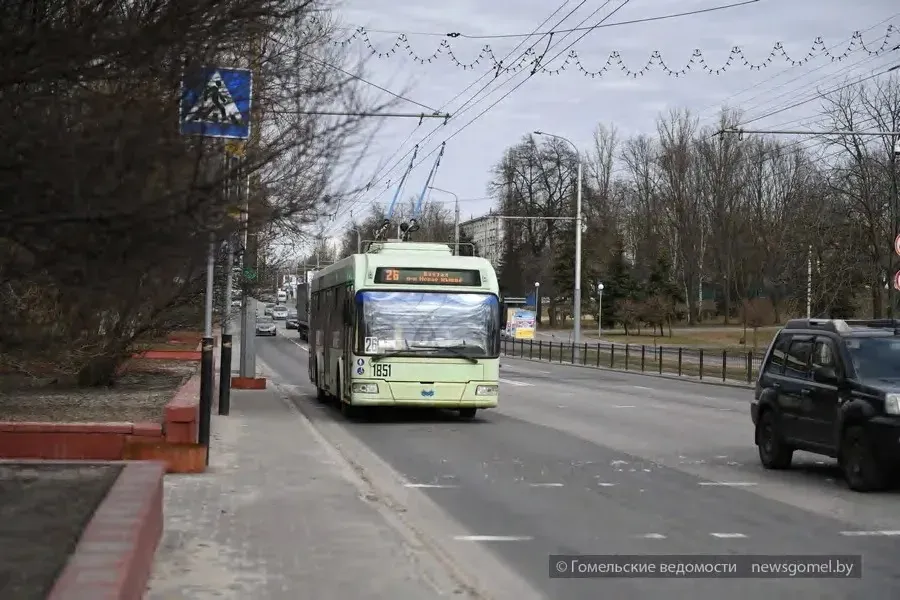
x=467 y=413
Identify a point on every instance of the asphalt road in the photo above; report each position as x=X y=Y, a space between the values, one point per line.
x=576 y=461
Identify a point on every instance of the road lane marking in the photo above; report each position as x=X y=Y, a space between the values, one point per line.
x=729 y=483
x=728 y=535
x=641 y=387
x=652 y=536
x=624 y=406
x=429 y=485
x=545 y=484
x=605 y=484
x=301 y=346
x=516 y=383
x=880 y=533
x=493 y=538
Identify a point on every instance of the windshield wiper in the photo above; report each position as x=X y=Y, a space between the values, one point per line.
x=453 y=350
x=378 y=357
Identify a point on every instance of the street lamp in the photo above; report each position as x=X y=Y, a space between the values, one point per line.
x=537 y=302
x=456 y=219
x=577 y=294
x=599 y=310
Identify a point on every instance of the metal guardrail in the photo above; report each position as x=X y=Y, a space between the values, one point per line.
x=702 y=363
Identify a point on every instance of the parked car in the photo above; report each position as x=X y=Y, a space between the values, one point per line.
x=280 y=312
x=292 y=322
x=832 y=387
x=266 y=326
x=268 y=309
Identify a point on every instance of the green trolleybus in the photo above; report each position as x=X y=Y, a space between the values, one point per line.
x=406 y=324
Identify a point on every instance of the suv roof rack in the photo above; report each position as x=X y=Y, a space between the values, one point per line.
x=844 y=326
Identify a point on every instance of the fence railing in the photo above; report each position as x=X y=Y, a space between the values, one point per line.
x=725 y=365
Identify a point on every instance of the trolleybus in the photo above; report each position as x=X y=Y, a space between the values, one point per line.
x=406 y=324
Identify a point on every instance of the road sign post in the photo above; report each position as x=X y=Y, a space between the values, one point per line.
x=215 y=102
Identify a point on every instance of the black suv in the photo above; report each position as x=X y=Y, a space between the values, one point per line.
x=832 y=387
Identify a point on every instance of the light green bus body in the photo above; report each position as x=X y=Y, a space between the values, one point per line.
x=349 y=310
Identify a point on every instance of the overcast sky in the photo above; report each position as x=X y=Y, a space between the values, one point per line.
x=571 y=104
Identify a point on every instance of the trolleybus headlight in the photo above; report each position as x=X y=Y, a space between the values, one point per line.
x=892 y=404
x=486 y=390
x=365 y=388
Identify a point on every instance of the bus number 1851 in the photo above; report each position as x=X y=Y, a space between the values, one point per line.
x=381 y=370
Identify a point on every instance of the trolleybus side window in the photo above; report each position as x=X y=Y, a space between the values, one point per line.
x=338 y=315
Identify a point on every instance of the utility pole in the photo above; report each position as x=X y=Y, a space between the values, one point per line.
x=809 y=282
x=576 y=300
x=456 y=218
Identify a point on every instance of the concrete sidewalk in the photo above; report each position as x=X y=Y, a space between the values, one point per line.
x=280 y=516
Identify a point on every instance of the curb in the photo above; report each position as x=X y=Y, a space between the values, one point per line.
x=728 y=384
x=114 y=556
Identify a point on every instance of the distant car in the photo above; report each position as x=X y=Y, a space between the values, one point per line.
x=292 y=321
x=266 y=326
x=280 y=312
x=268 y=309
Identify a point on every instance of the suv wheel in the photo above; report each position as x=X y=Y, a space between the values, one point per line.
x=862 y=470
x=773 y=452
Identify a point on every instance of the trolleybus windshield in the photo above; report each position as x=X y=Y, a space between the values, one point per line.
x=426 y=322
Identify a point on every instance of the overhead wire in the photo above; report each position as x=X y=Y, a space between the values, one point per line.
x=367 y=82
x=588 y=30
x=591 y=28
x=380 y=177
x=456 y=34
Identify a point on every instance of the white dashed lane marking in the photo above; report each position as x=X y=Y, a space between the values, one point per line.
x=429 y=485
x=728 y=483
x=728 y=535
x=545 y=484
x=652 y=536
x=516 y=383
x=493 y=538
x=880 y=533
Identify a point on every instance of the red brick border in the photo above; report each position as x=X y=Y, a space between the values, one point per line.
x=114 y=556
x=70 y=441
x=173 y=440
x=248 y=383
x=182 y=413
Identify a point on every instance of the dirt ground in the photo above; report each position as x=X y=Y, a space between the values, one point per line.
x=43 y=510
x=140 y=394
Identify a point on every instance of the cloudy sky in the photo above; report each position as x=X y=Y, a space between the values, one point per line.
x=572 y=104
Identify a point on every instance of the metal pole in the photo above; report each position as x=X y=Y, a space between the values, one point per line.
x=600 y=313
x=248 y=303
x=210 y=273
x=577 y=295
x=358 y=243
x=456 y=225
x=206 y=357
x=225 y=347
x=577 y=309
x=809 y=282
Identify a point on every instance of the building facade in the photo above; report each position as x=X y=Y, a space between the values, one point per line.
x=487 y=233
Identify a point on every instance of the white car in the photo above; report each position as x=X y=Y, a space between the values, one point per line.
x=280 y=313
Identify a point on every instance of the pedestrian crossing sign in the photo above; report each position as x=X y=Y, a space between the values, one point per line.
x=216 y=101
